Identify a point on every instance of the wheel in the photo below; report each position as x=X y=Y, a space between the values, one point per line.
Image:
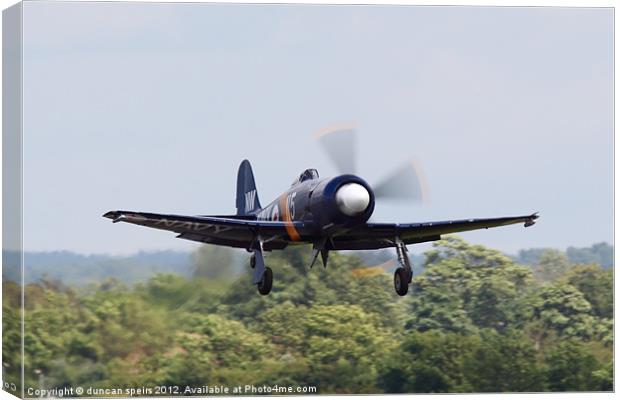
x=410 y=275
x=264 y=286
x=401 y=281
x=252 y=261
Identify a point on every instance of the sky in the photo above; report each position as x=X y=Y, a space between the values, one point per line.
x=151 y=107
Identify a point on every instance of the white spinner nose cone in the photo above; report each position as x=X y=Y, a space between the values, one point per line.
x=352 y=199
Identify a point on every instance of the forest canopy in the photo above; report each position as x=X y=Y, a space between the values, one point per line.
x=475 y=320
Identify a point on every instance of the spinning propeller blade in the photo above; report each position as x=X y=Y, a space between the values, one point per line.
x=340 y=143
x=407 y=182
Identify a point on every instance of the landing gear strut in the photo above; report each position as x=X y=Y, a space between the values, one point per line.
x=404 y=273
x=262 y=276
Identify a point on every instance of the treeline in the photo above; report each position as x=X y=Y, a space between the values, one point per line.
x=474 y=321
x=80 y=270
x=599 y=253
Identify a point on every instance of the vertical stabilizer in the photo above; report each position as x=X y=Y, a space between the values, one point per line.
x=247 y=197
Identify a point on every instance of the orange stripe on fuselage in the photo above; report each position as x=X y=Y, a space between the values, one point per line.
x=286 y=217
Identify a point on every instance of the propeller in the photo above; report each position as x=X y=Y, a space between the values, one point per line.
x=340 y=144
x=405 y=183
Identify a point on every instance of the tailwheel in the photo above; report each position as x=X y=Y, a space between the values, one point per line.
x=401 y=281
x=265 y=283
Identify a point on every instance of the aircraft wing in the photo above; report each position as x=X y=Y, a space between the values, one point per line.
x=380 y=235
x=228 y=230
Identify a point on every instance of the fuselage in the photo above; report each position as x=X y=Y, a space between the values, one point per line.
x=332 y=205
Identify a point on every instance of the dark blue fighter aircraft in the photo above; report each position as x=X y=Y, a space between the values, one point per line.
x=329 y=213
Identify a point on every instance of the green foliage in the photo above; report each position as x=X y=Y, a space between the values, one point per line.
x=294 y=282
x=551 y=265
x=80 y=270
x=340 y=343
x=211 y=261
x=603 y=378
x=466 y=287
x=564 y=309
x=11 y=340
x=428 y=362
x=529 y=256
x=596 y=284
x=212 y=349
x=474 y=322
x=504 y=363
x=571 y=368
x=175 y=292
x=601 y=254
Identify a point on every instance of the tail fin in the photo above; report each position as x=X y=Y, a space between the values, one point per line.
x=247 y=197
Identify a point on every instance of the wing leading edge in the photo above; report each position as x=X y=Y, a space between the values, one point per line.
x=228 y=231
x=242 y=232
x=380 y=235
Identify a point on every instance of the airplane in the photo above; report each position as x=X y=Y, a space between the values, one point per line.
x=328 y=213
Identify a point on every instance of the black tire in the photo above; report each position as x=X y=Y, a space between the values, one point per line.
x=264 y=286
x=401 y=281
x=252 y=261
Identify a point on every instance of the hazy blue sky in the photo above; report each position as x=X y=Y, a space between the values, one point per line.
x=151 y=107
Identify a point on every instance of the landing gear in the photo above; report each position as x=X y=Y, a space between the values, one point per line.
x=404 y=273
x=262 y=276
x=401 y=281
x=264 y=285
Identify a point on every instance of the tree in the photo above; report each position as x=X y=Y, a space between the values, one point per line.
x=596 y=284
x=552 y=265
x=210 y=261
x=296 y=283
x=341 y=344
x=599 y=253
x=475 y=321
x=503 y=363
x=213 y=349
x=11 y=341
x=454 y=247
x=427 y=362
x=466 y=287
x=564 y=309
x=604 y=377
x=530 y=257
x=570 y=367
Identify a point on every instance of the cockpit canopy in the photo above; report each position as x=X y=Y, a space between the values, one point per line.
x=308 y=174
